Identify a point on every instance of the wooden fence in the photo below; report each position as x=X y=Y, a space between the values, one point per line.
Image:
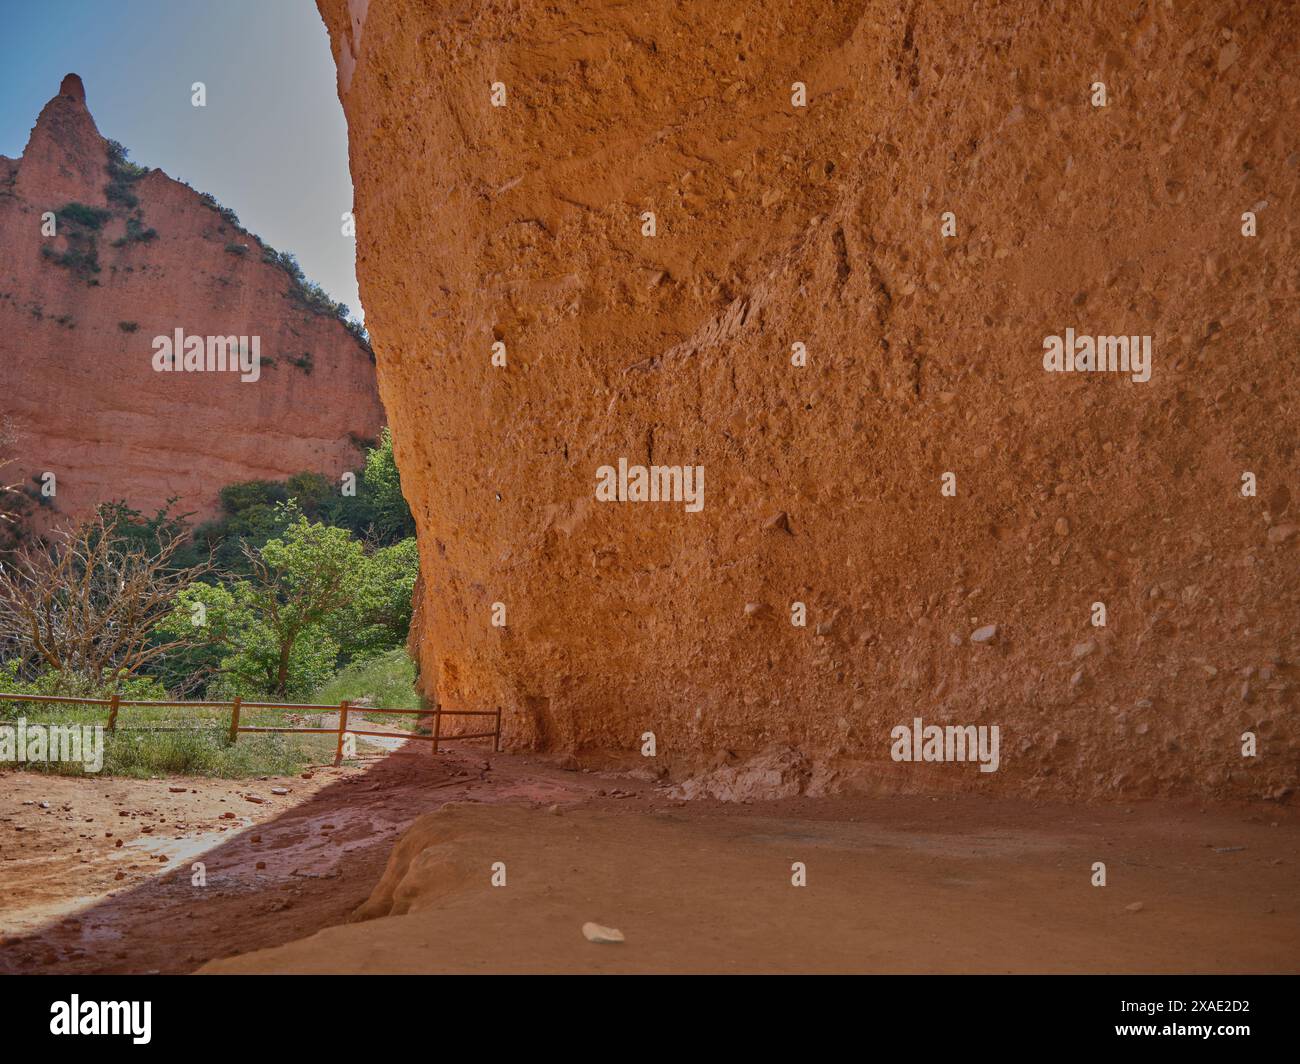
x=343 y=709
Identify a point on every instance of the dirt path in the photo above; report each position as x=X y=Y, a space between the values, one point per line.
x=910 y=884
x=96 y=874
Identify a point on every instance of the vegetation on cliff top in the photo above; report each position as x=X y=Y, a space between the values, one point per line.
x=301 y=288
x=82 y=223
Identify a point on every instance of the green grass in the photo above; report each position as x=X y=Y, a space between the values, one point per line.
x=388 y=680
x=200 y=745
x=201 y=748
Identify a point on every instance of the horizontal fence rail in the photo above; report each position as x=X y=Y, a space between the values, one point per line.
x=236 y=706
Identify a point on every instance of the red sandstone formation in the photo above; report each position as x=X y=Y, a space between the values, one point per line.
x=824 y=225
x=77 y=342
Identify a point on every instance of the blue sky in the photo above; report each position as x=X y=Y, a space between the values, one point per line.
x=271 y=142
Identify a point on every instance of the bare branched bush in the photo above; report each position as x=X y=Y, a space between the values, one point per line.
x=8 y=492
x=87 y=603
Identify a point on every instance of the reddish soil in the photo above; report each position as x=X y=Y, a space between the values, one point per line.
x=64 y=909
x=699 y=886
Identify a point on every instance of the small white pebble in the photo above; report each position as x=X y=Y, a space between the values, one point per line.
x=596 y=933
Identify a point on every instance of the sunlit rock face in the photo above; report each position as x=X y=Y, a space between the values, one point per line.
x=85 y=296
x=869 y=220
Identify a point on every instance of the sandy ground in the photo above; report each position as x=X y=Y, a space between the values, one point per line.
x=894 y=884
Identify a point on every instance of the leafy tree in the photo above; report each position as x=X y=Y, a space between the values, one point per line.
x=299 y=581
x=251 y=517
x=206 y=622
x=292 y=580
x=379 y=618
x=271 y=631
x=250 y=514
x=242 y=651
x=392 y=517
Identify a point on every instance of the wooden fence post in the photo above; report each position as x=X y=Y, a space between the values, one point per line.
x=437 y=724
x=112 y=713
x=496 y=742
x=343 y=726
x=234 y=719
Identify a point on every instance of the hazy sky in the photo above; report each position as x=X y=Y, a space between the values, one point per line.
x=271 y=142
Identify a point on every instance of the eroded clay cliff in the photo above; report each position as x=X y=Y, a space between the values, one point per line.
x=131 y=256
x=954 y=192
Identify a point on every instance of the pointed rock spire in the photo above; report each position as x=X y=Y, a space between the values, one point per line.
x=72 y=88
x=66 y=156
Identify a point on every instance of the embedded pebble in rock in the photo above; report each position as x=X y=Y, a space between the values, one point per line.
x=779 y=522
x=985 y=634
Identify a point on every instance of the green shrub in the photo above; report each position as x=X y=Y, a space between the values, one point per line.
x=122 y=167
x=121 y=194
x=361 y=334
x=70 y=685
x=313 y=296
x=80 y=214
x=135 y=233
x=81 y=260
x=227 y=215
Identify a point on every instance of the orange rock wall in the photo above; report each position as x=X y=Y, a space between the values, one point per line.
x=82 y=391
x=822 y=225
